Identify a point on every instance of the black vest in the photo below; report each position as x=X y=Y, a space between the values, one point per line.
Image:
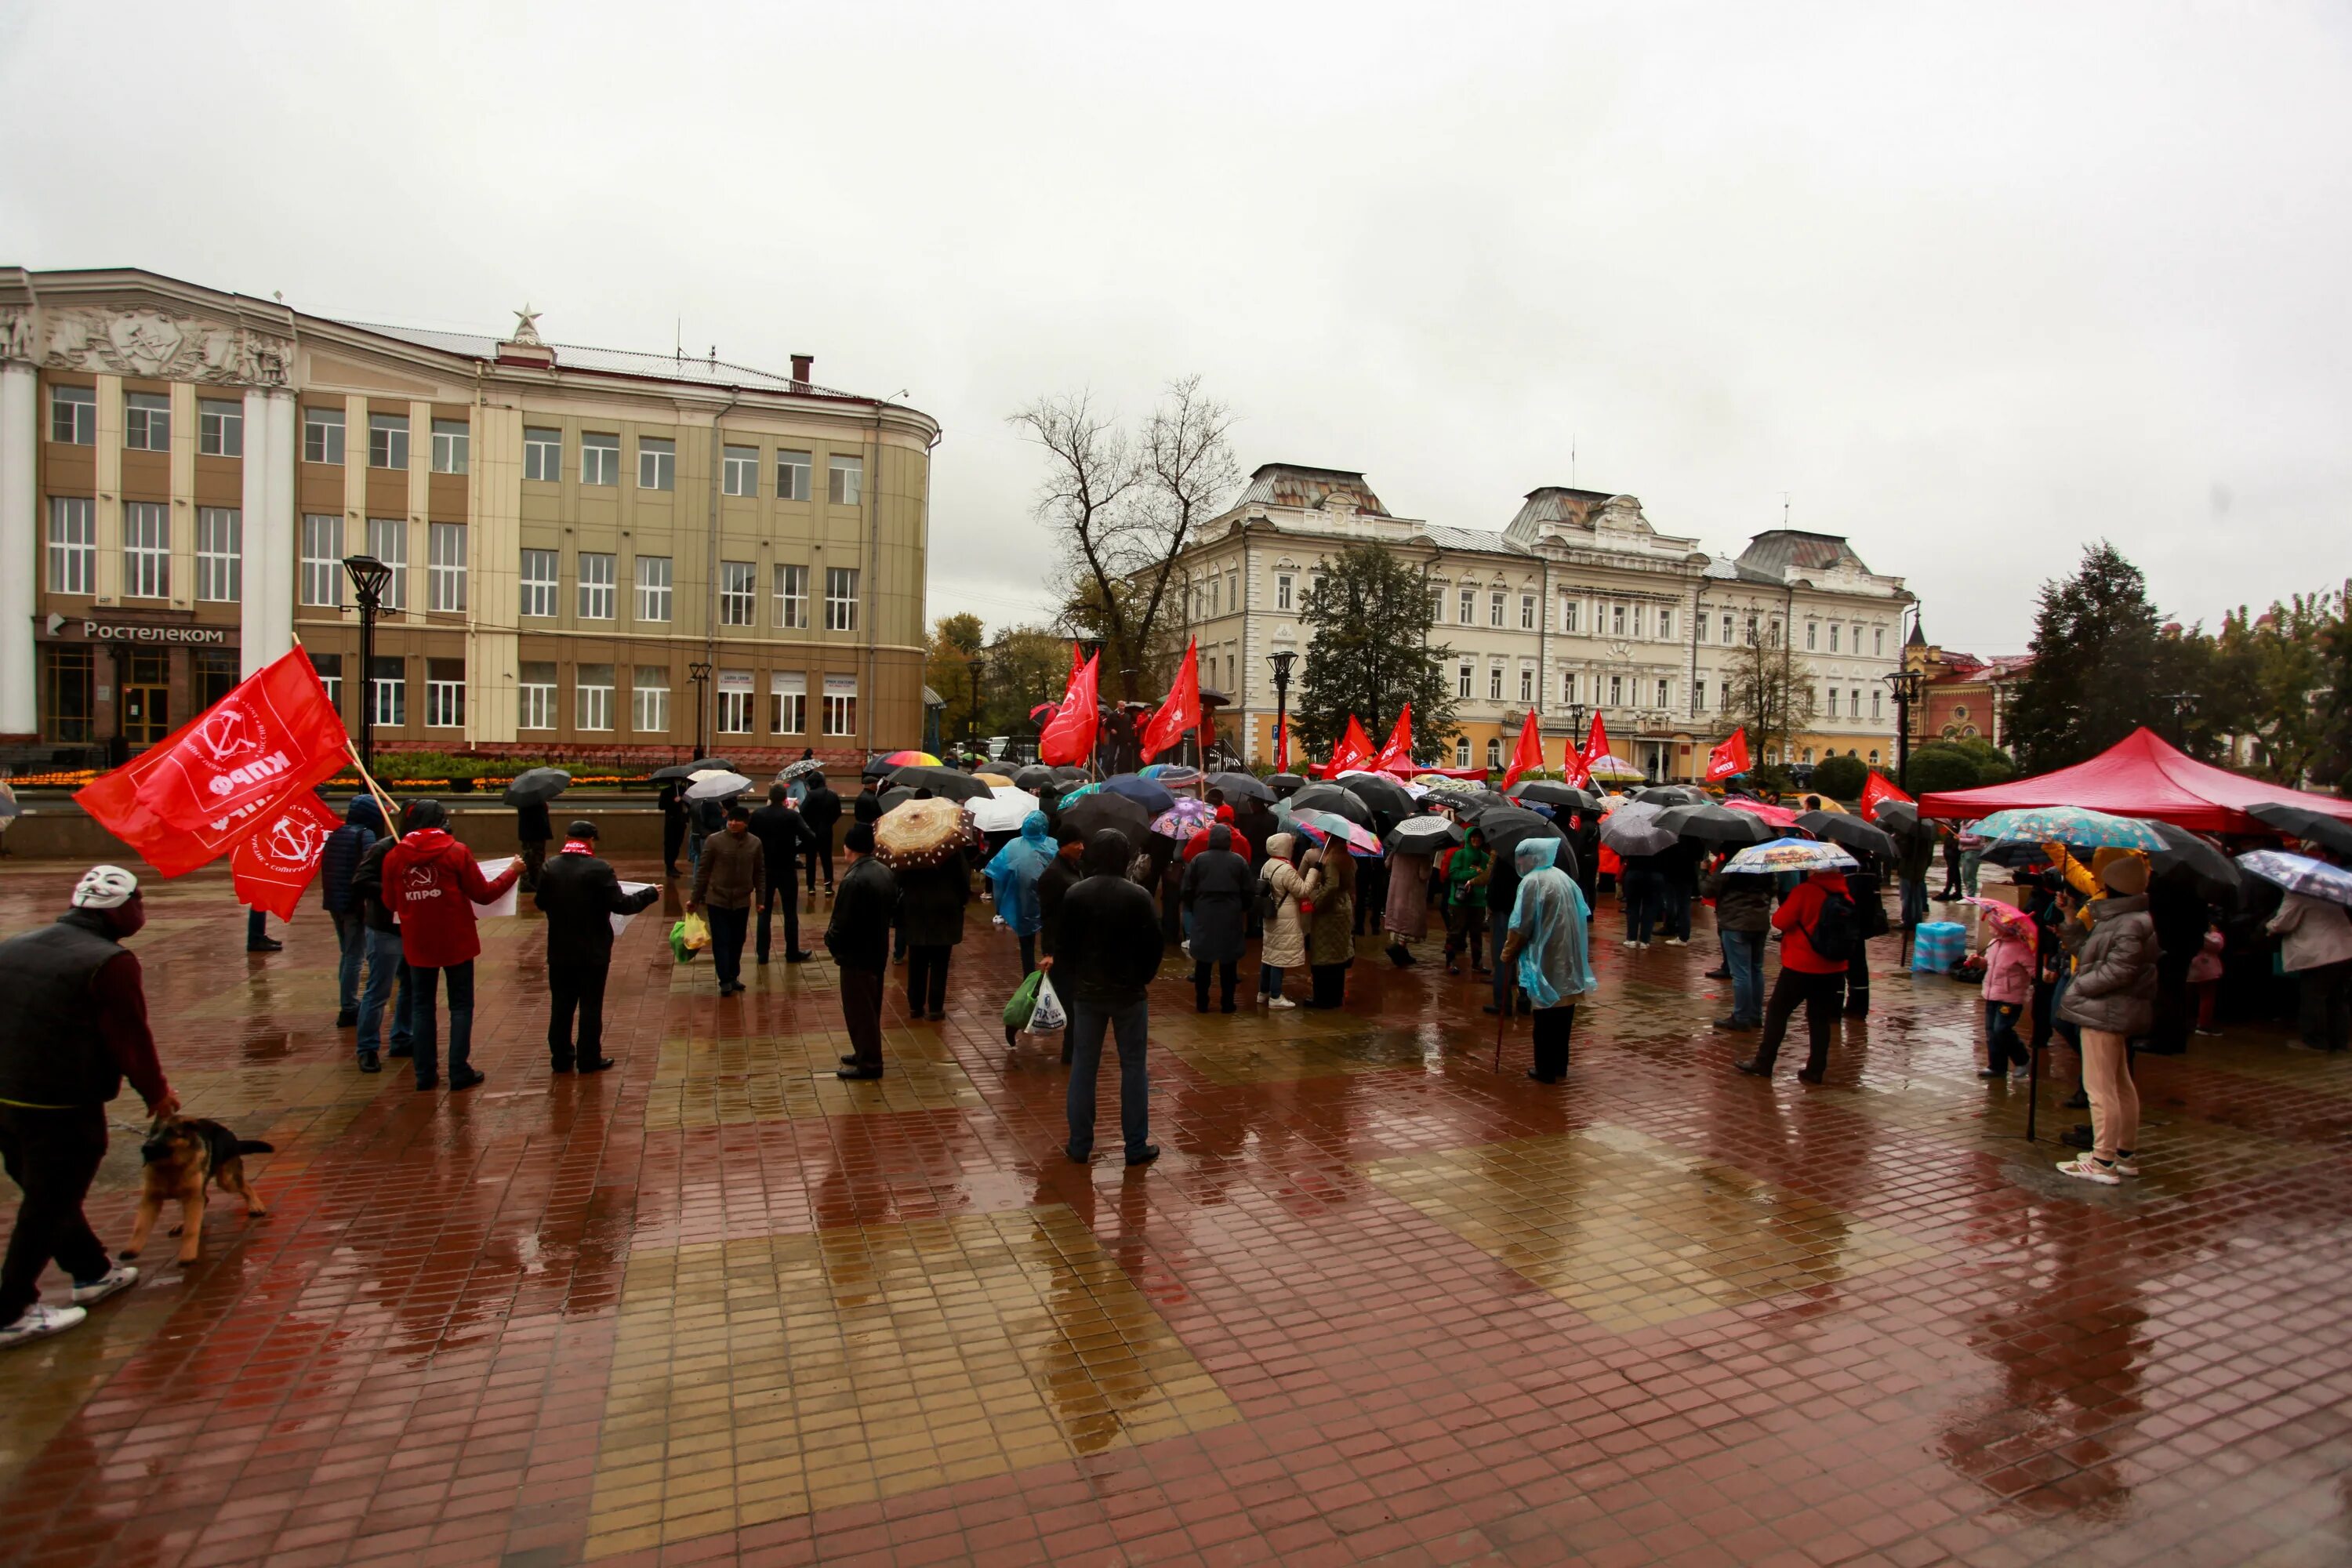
x=51 y=1052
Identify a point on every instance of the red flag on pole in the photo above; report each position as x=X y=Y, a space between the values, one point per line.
x=1353 y=750
x=1067 y=738
x=274 y=733
x=1181 y=711
x=1527 y=757
x=1396 y=757
x=1282 y=746
x=1596 y=743
x=1876 y=791
x=277 y=861
x=1730 y=758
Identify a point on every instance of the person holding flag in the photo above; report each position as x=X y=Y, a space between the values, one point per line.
x=1180 y=713
x=431 y=883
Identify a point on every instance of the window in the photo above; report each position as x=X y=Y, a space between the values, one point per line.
x=542 y=455
x=1527 y=612
x=1832 y=704
x=1617 y=620
x=1751 y=631
x=656 y=463
x=592 y=693
x=792 y=598
x=73 y=544
x=220 y=564
x=1566 y=614
x=1616 y=691
x=322 y=435
x=787 y=703
x=146 y=550
x=600 y=458
x=387 y=690
x=1234 y=589
x=1878 y=648
x=1812 y=636
x=596 y=589
x=734 y=702
x=844 y=485
x=736 y=597
x=1216 y=587
x=322 y=560
x=1466 y=610
x=1726 y=631
x=1773 y=638
x=1436 y=602
x=1495 y=609
x=453 y=441
x=1665 y=695
x=73 y=416
x=330 y=667
x=1461 y=752
x=1494 y=683
x=1875 y=696
x=1698 y=629
x=387 y=441
x=1462 y=679
x=1527 y=684
x=792 y=476
x=1282 y=591
x=1567 y=686
x=535 y=682
x=445 y=693
x=653 y=587
x=1853 y=703
x=841 y=704
x=1874 y=758
x=1809 y=754
x=66 y=689
x=146 y=422
x=840 y=604
x=538 y=584
x=445 y=569
x=739 y=471
x=649 y=699
x=1665 y=626
x=1835 y=630
x=1493 y=752
x=220 y=428
x=1699 y=696
x=388 y=542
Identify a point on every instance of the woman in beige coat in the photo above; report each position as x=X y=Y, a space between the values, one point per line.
x=1284 y=946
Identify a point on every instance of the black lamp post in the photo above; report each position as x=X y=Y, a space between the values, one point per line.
x=369 y=577
x=1575 y=716
x=978 y=669
x=699 y=673
x=1282 y=662
x=1905 y=685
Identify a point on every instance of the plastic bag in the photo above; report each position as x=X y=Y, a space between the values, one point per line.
x=698 y=931
x=678 y=948
x=1023 y=1000
x=1048 y=1015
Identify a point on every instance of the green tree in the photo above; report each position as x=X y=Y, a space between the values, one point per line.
x=1369 y=654
x=948 y=670
x=1026 y=666
x=2332 y=758
x=1941 y=765
x=1993 y=766
x=2269 y=681
x=1839 y=777
x=2105 y=664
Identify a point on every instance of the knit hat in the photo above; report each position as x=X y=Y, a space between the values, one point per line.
x=105 y=888
x=2125 y=876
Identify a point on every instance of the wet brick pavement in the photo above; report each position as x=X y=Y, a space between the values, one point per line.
x=1375 y=1303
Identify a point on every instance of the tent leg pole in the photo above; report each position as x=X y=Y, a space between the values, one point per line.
x=2032 y=1088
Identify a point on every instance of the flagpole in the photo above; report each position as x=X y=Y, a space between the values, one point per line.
x=351 y=748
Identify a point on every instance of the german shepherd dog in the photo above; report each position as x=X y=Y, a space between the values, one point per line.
x=182 y=1153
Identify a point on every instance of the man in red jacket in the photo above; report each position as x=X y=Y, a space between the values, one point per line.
x=431 y=883
x=1807 y=974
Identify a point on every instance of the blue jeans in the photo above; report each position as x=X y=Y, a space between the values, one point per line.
x=1269 y=979
x=1130 y=1024
x=461 y=1019
x=1677 y=902
x=351 y=934
x=1743 y=954
x=384 y=965
x=2002 y=1047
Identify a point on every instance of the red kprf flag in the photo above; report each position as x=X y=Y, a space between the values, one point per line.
x=1876 y=791
x=1528 y=756
x=273 y=734
x=1729 y=758
x=1396 y=757
x=1181 y=711
x=1282 y=747
x=277 y=861
x=113 y=802
x=1354 y=750
x=1068 y=739
x=1596 y=743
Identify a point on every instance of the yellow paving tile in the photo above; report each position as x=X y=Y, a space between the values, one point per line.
x=790 y=1078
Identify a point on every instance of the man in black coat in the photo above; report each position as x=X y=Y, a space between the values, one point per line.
x=672 y=801
x=787 y=838
x=532 y=830
x=931 y=920
x=1106 y=952
x=581 y=895
x=820 y=809
x=859 y=939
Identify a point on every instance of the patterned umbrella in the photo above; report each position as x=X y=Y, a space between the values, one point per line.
x=2007 y=919
x=791 y=771
x=1331 y=824
x=1423 y=836
x=2301 y=874
x=2076 y=826
x=1792 y=855
x=1179 y=821
x=1172 y=775
x=923 y=833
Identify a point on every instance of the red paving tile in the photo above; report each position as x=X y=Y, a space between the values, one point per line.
x=1663 y=1315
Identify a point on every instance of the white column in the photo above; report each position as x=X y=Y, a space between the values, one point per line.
x=272 y=551
x=20 y=546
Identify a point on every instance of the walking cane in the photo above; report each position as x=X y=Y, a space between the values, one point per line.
x=2032 y=1084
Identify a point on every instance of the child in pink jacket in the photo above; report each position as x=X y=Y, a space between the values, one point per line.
x=2008 y=987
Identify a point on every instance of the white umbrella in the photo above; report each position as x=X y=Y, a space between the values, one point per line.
x=1002 y=809
x=716 y=784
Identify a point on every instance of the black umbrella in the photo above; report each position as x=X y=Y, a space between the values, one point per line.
x=683 y=771
x=1672 y=794
x=1551 y=792
x=1389 y=800
x=1090 y=813
x=1474 y=804
x=536 y=786
x=2311 y=826
x=1331 y=797
x=1423 y=836
x=2187 y=856
x=1899 y=819
x=1285 y=785
x=1850 y=832
x=1711 y=823
x=1239 y=787
x=894 y=798
x=948 y=783
x=1037 y=776
x=1505 y=826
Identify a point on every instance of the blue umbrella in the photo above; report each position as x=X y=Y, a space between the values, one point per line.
x=2301 y=874
x=2075 y=826
x=1152 y=796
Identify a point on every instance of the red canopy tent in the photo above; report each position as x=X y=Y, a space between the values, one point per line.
x=2140 y=775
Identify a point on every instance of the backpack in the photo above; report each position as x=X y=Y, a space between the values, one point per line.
x=1835 y=934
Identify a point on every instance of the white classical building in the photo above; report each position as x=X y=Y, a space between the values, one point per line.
x=1577 y=604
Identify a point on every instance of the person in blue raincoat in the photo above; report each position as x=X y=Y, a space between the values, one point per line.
x=1545 y=951
x=1013 y=875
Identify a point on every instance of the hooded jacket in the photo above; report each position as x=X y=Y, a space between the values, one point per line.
x=1796 y=917
x=431 y=882
x=1217 y=889
x=346 y=846
x=2114 y=990
x=1013 y=873
x=2316 y=931
x=1284 y=946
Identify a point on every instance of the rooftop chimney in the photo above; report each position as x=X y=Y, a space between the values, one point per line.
x=801 y=363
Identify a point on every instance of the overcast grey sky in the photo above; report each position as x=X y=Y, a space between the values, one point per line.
x=1971 y=288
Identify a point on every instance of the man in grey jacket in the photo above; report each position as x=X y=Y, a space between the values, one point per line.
x=2111 y=998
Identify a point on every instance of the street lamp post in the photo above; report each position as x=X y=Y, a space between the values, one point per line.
x=1575 y=716
x=369 y=577
x=972 y=717
x=699 y=673
x=1905 y=684
x=1282 y=662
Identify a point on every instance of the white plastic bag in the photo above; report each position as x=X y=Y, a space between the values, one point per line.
x=1048 y=1015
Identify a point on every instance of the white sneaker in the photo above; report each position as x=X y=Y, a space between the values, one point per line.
x=1631 y=942
x=122 y=1277
x=2126 y=1165
x=1282 y=1002
x=1676 y=942
x=2089 y=1170
x=39 y=1322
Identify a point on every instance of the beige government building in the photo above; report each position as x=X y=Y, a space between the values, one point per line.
x=586 y=545
x=1577 y=604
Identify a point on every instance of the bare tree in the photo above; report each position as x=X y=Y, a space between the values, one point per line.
x=1127 y=509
